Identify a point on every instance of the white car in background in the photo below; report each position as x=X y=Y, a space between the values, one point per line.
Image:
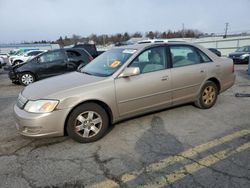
x=15 y=60
x=4 y=56
x=2 y=63
x=159 y=41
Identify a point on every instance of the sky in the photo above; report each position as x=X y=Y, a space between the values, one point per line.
x=31 y=20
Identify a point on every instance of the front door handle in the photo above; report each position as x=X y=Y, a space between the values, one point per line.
x=164 y=78
x=202 y=71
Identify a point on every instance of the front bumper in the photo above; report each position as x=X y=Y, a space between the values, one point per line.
x=40 y=125
x=13 y=76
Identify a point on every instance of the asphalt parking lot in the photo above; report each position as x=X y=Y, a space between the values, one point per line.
x=178 y=147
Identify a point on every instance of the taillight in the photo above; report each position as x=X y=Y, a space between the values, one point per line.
x=90 y=58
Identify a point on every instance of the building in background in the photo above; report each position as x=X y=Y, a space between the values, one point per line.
x=7 y=48
x=224 y=45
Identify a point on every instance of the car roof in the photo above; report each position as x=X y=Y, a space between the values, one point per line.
x=79 y=49
x=145 y=45
x=36 y=51
x=160 y=40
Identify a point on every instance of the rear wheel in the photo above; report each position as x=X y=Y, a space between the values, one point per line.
x=87 y=123
x=26 y=78
x=208 y=95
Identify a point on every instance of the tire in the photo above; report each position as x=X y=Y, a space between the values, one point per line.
x=87 y=123
x=208 y=95
x=26 y=78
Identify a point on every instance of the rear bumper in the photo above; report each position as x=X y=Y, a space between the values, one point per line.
x=228 y=83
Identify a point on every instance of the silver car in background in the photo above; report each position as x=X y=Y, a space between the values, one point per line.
x=121 y=83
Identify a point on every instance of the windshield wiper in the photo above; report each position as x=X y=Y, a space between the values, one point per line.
x=86 y=73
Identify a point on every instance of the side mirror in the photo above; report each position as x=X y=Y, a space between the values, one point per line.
x=130 y=71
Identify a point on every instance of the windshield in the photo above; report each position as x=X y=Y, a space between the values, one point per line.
x=108 y=62
x=242 y=49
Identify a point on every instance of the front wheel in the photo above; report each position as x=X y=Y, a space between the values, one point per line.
x=208 y=95
x=87 y=123
x=26 y=78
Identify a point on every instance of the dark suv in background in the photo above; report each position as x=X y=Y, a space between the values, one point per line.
x=49 y=64
x=214 y=50
x=90 y=48
x=241 y=55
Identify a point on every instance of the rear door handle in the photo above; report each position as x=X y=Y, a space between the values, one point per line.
x=164 y=78
x=202 y=71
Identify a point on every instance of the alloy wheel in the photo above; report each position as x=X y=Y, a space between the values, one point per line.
x=88 y=124
x=208 y=95
x=27 y=79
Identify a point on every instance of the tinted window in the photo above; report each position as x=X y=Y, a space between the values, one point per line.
x=34 y=53
x=52 y=56
x=72 y=54
x=90 y=48
x=150 y=60
x=243 y=49
x=184 y=55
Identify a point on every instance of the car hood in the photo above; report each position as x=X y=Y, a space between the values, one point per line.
x=50 y=86
x=19 y=65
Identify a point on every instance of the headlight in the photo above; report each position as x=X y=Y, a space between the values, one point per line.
x=41 y=106
x=244 y=56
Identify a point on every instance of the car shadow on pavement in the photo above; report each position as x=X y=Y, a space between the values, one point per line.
x=156 y=142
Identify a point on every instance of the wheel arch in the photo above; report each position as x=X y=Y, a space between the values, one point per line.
x=17 y=60
x=30 y=72
x=96 y=101
x=217 y=82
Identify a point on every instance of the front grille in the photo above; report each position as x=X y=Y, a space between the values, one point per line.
x=21 y=101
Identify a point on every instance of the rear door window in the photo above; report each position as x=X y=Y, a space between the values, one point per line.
x=34 y=53
x=184 y=55
x=52 y=56
x=73 y=54
x=204 y=57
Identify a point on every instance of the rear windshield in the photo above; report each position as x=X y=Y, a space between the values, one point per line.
x=90 y=48
x=108 y=63
x=243 y=49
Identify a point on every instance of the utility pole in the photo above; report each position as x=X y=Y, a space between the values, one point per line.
x=103 y=39
x=183 y=29
x=226 y=29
